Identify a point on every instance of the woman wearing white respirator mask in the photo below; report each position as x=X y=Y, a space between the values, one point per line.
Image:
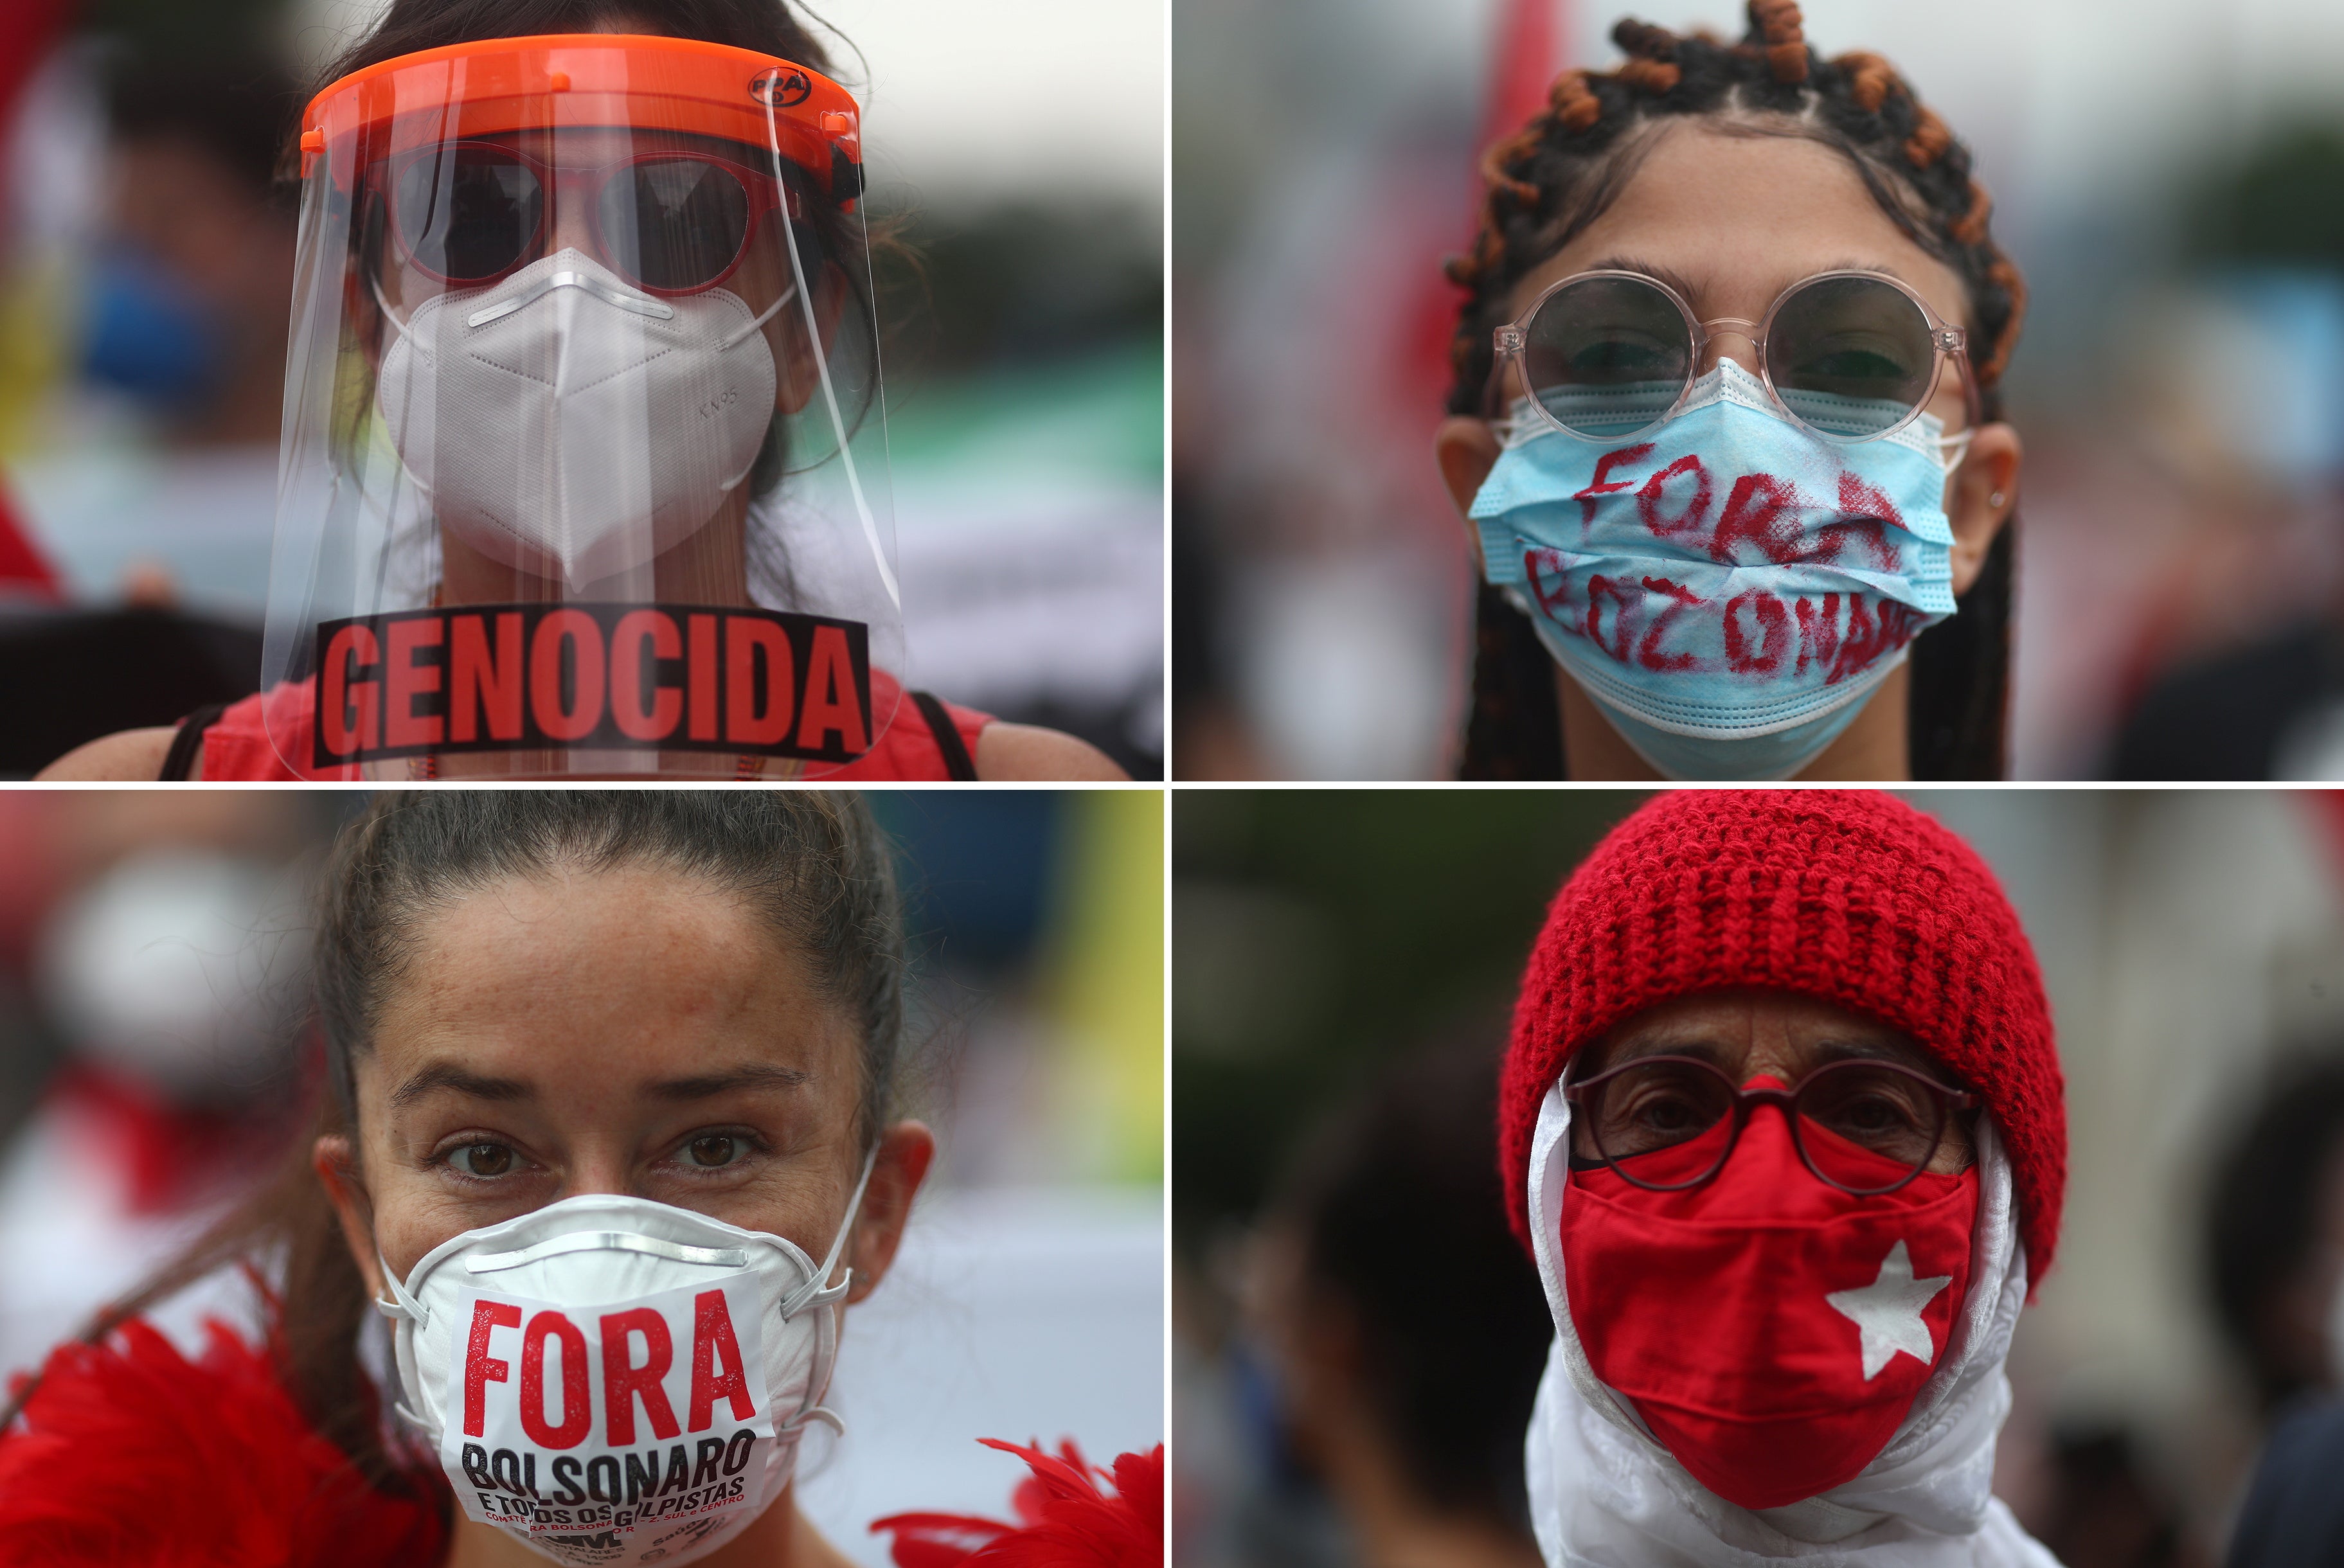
x=608 y=1154
x=1726 y=425
x=1782 y=1125
x=585 y=470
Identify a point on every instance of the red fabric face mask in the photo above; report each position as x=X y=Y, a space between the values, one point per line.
x=1771 y=1329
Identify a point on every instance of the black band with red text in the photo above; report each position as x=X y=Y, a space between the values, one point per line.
x=624 y=677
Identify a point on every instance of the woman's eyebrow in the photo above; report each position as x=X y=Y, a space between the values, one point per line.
x=449 y=1076
x=1667 y=275
x=1882 y=267
x=757 y=1076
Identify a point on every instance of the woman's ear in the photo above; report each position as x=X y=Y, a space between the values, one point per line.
x=1467 y=449
x=336 y=1171
x=797 y=374
x=1978 y=498
x=906 y=1151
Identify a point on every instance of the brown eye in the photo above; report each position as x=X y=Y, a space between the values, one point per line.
x=715 y=1149
x=483 y=1159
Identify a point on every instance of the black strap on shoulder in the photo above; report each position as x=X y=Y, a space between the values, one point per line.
x=188 y=743
x=957 y=763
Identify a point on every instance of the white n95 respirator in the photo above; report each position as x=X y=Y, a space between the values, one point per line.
x=615 y=1381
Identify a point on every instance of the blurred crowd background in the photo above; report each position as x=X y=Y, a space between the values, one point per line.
x=2169 y=175
x=155 y=1063
x=1357 y=1337
x=146 y=268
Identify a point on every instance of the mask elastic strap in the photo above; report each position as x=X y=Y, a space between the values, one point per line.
x=822 y=364
x=727 y=346
x=401 y=1305
x=384 y=304
x=1952 y=449
x=787 y=295
x=818 y=1290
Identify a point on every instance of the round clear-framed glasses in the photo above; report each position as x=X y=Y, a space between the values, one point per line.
x=1849 y=355
x=1864 y=1127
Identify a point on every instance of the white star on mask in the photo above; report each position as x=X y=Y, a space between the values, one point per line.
x=1888 y=1312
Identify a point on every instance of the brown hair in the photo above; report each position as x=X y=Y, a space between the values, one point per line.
x=1563 y=169
x=812 y=865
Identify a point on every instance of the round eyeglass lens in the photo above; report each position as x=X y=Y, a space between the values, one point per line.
x=675 y=223
x=1673 y=1109
x=1851 y=357
x=1867 y=1128
x=468 y=214
x=1607 y=355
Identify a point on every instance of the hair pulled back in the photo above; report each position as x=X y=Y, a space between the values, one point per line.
x=810 y=865
x=1564 y=169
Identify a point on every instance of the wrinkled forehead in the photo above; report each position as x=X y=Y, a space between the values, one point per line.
x=1730 y=1027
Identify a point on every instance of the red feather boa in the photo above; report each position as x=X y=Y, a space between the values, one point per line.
x=1064 y=1521
x=130 y=1453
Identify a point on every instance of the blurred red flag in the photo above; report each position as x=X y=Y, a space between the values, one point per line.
x=1526 y=58
x=28 y=28
x=1526 y=55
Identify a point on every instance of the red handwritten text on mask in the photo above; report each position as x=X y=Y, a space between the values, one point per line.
x=1647 y=622
x=1643 y=621
x=1764 y=518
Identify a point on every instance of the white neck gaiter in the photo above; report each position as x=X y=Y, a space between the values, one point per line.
x=1604 y=1494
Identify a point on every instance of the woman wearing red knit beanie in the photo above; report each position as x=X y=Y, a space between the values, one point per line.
x=1781 y=1125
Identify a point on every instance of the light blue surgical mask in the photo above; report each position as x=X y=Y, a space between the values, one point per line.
x=1729 y=586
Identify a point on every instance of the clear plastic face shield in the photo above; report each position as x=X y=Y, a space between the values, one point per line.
x=584 y=468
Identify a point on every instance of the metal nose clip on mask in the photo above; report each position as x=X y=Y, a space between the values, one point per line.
x=612 y=1381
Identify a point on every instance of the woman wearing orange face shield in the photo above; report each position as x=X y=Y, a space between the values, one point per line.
x=585 y=463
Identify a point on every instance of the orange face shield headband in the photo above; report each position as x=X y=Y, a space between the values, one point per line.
x=470 y=93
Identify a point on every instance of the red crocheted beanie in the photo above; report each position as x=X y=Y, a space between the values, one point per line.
x=1851 y=897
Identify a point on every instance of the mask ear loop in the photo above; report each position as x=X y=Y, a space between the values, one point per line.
x=817 y=1291
x=822 y=366
x=814 y=1293
x=733 y=342
x=401 y=1305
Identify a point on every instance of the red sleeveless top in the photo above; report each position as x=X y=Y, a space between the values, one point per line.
x=236 y=745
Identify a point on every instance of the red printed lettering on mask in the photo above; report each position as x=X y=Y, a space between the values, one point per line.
x=599 y=676
x=1771 y=1329
x=560 y=1401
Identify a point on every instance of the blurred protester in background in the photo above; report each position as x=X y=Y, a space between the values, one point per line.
x=2236 y=669
x=1404 y=1391
x=2275 y=1247
x=186 y=299
x=1790 y=1164
x=2275 y=1238
x=1711 y=533
x=168 y=971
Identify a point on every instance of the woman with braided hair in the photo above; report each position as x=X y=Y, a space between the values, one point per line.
x=1727 y=425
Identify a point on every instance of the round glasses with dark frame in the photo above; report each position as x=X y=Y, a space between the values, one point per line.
x=1655 y=1103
